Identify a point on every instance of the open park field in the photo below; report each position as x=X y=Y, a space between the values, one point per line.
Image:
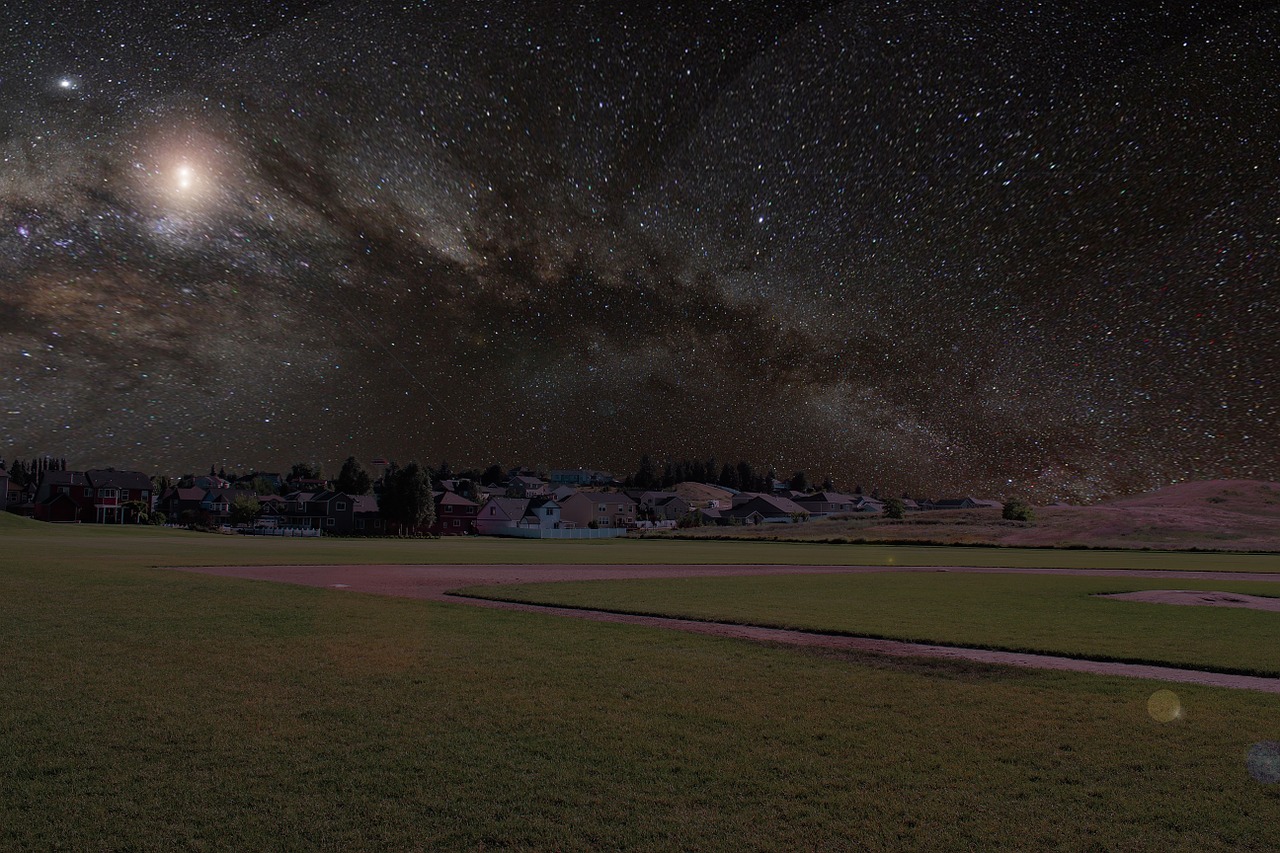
x=148 y=709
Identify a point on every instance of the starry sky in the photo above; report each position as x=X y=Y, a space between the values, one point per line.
x=940 y=247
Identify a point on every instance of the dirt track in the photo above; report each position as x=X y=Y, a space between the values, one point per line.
x=434 y=583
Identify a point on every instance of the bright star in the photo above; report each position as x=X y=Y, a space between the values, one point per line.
x=186 y=177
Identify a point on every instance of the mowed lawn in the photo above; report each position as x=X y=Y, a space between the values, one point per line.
x=142 y=709
x=1053 y=614
x=163 y=547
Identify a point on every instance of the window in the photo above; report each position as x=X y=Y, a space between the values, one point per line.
x=457 y=523
x=341 y=507
x=548 y=511
x=448 y=509
x=88 y=493
x=328 y=522
x=493 y=510
x=359 y=524
x=602 y=508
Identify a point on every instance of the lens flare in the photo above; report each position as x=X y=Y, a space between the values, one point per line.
x=1164 y=706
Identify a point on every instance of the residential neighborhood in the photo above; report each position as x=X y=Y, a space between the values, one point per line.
x=519 y=502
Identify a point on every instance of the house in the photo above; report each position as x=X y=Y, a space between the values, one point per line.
x=499 y=514
x=559 y=493
x=523 y=486
x=604 y=509
x=102 y=496
x=63 y=496
x=868 y=505
x=4 y=485
x=762 y=509
x=177 y=500
x=826 y=503
x=670 y=508
x=368 y=518
x=271 y=511
x=455 y=515
x=210 y=481
x=543 y=514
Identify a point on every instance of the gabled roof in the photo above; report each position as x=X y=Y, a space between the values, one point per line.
x=454 y=499
x=826 y=498
x=511 y=508
x=542 y=503
x=768 y=506
x=106 y=478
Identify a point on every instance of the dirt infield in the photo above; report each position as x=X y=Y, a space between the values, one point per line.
x=434 y=583
x=1199 y=598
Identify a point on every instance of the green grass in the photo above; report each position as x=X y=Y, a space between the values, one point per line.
x=145 y=710
x=1053 y=614
x=152 y=546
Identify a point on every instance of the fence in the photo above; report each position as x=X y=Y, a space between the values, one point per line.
x=570 y=533
x=281 y=531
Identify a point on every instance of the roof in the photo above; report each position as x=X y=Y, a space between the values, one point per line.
x=63 y=478
x=767 y=505
x=826 y=498
x=510 y=507
x=364 y=503
x=454 y=499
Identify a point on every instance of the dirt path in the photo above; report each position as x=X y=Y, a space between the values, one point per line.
x=434 y=583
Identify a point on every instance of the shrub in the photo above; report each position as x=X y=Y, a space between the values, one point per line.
x=1016 y=509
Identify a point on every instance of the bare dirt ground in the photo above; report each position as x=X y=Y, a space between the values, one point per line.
x=1199 y=598
x=434 y=583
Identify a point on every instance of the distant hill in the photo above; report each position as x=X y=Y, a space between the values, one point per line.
x=1227 y=515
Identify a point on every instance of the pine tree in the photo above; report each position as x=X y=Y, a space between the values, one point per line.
x=353 y=479
x=647 y=475
x=728 y=476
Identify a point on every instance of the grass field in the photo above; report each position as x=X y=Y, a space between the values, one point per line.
x=142 y=709
x=161 y=547
x=1039 y=613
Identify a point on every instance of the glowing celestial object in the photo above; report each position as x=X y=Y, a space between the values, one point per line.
x=186 y=177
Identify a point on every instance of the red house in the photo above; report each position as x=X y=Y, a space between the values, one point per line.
x=455 y=515
x=94 y=497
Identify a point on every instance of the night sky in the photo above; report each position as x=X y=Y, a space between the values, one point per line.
x=944 y=247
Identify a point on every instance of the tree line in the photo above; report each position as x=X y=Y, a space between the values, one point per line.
x=743 y=476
